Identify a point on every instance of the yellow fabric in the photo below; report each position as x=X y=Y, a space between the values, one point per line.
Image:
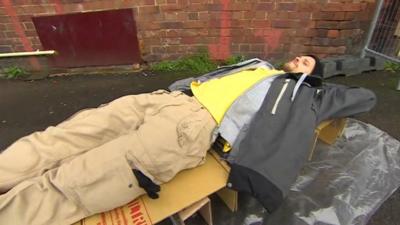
x=227 y=147
x=217 y=95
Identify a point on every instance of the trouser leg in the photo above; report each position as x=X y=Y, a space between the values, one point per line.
x=93 y=182
x=34 y=154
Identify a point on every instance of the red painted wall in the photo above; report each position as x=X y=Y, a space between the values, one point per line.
x=168 y=29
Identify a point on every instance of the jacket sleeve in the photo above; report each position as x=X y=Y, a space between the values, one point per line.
x=181 y=85
x=335 y=101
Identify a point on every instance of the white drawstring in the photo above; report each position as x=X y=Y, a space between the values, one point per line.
x=297 y=86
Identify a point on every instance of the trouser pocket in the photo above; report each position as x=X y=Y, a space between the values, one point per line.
x=195 y=129
x=100 y=184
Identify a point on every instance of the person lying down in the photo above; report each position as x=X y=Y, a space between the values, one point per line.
x=105 y=157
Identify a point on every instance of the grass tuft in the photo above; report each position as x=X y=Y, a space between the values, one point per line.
x=392 y=67
x=194 y=64
x=14 y=72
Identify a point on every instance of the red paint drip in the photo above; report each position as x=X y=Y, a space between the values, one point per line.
x=222 y=49
x=271 y=38
x=20 y=32
x=58 y=6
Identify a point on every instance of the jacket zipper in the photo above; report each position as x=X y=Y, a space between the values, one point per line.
x=280 y=96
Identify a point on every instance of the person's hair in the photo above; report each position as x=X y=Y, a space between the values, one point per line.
x=318 y=68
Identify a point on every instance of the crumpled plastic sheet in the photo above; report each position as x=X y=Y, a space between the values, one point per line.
x=344 y=183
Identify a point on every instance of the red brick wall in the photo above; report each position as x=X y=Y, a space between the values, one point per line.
x=168 y=29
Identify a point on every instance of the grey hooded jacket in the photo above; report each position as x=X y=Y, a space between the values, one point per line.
x=270 y=151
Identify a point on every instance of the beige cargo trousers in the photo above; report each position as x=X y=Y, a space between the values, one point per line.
x=83 y=165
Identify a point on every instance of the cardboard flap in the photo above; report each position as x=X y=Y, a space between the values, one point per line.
x=188 y=187
x=189 y=211
x=329 y=131
x=229 y=197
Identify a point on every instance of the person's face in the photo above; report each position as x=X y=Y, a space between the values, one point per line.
x=300 y=64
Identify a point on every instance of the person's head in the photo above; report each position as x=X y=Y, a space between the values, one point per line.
x=308 y=64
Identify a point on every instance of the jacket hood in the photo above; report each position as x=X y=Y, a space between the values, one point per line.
x=312 y=80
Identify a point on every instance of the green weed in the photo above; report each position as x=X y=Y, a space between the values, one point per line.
x=194 y=64
x=233 y=60
x=198 y=63
x=14 y=72
x=392 y=67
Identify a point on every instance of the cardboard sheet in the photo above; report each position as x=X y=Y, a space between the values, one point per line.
x=187 y=188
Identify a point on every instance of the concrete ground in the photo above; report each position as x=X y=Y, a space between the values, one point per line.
x=27 y=106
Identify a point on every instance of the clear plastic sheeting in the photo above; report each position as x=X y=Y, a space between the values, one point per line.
x=253 y=220
x=344 y=183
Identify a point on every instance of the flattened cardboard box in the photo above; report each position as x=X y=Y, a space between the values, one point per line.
x=186 y=188
x=190 y=186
